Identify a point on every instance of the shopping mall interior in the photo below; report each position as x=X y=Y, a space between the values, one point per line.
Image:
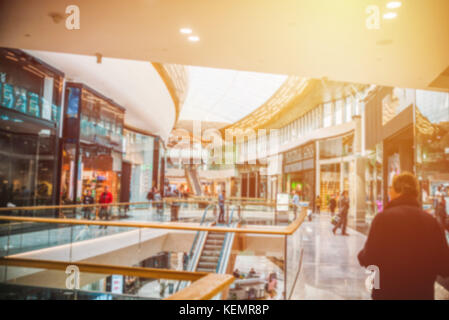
x=196 y=150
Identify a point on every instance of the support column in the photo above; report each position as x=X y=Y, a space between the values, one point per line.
x=360 y=191
x=317 y=170
x=359 y=174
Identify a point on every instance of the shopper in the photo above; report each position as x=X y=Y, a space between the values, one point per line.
x=343 y=214
x=440 y=211
x=221 y=205
x=333 y=205
x=158 y=199
x=406 y=244
x=295 y=202
x=105 y=198
x=437 y=196
x=318 y=204
x=252 y=273
x=150 y=194
x=87 y=199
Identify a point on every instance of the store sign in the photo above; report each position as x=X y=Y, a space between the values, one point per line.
x=27 y=102
x=299 y=166
x=294 y=167
x=301 y=153
x=117 y=284
x=282 y=202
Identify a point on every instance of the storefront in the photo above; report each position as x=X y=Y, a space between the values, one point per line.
x=143 y=154
x=92 y=144
x=432 y=146
x=30 y=104
x=252 y=182
x=336 y=168
x=299 y=171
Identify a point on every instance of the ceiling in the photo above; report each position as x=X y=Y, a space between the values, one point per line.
x=307 y=38
x=219 y=95
x=135 y=85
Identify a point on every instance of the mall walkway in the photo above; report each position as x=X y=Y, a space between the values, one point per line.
x=330 y=268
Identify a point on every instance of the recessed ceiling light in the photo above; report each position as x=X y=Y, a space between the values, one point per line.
x=390 y=15
x=194 y=38
x=394 y=4
x=185 y=30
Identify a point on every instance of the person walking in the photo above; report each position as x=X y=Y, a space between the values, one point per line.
x=295 y=202
x=440 y=212
x=332 y=205
x=406 y=244
x=221 y=205
x=343 y=214
x=87 y=199
x=157 y=197
x=318 y=204
x=105 y=198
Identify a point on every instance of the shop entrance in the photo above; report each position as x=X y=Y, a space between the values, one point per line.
x=330 y=180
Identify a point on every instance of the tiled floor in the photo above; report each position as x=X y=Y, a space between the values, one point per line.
x=330 y=269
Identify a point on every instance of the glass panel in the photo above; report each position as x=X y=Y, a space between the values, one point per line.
x=432 y=151
x=29 y=87
x=295 y=250
x=339 y=112
x=348 y=109
x=327 y=115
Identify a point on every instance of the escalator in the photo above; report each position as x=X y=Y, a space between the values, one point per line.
x=211 y=250
x=193 y=180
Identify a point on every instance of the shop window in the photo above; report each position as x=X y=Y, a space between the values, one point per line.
x=432 y=147
x=327 y=115
x=348 y=109
x=339 y=112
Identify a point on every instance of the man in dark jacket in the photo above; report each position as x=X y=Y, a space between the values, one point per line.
x=407 y=245
x=344 y=210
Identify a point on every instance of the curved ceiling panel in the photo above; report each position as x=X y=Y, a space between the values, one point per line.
x=219 y=95
x=136 y=85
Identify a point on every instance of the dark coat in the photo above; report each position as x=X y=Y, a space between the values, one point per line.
x=333 y=203
x=410 y=249
x=344 y=207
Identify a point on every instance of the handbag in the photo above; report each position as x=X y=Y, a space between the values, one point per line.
x=335 y=220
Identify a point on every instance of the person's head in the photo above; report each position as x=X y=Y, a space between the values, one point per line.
x=106 y=188
x=404 y=184
x=88 y=192
x=344 y=194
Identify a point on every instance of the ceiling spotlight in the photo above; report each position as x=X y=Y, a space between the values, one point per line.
x=390 y=15
x=185 y=30
x=394 y=4
x=194 y=38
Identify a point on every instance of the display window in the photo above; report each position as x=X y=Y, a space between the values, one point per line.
x=28 y=132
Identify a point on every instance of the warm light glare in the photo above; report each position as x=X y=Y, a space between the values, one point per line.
x=186 y=30
x=390 y=15
x=394 y=4
x=194 y=38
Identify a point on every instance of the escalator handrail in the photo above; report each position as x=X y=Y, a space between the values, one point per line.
x=203 y=218
x=225 y=242
x=182 y=284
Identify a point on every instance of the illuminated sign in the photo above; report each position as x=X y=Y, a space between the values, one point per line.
x=282 y=202
x=27 y=102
